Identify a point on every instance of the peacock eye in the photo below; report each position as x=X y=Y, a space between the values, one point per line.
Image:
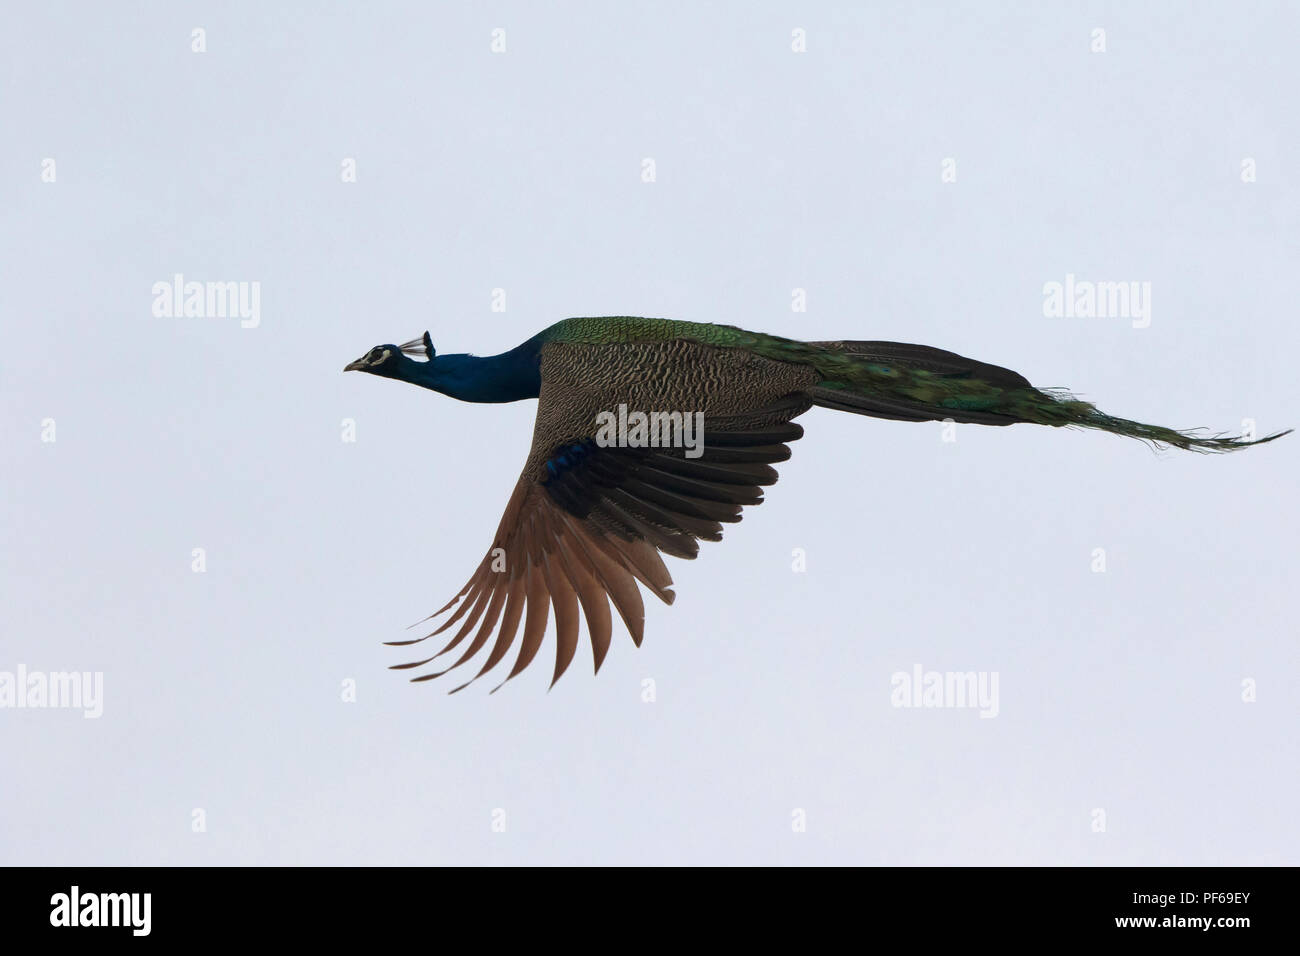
x=378 y=355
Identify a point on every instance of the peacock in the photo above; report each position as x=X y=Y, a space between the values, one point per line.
x=603 y=494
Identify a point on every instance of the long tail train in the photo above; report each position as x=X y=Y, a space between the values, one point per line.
x=918 y=383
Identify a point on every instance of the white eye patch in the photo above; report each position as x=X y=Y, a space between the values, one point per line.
x=381 y=358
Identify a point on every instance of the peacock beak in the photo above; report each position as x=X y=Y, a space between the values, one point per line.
x=356 y=366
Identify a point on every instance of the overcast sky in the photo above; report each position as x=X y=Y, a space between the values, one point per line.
x=920 y=174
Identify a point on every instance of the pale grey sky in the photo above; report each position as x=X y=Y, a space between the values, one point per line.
x=1120 y=691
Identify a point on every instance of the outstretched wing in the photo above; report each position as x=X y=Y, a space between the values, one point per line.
x=590 y=522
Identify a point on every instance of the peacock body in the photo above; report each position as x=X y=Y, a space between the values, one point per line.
x=589 y=521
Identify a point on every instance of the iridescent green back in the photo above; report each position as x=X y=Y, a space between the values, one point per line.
x=617 y=329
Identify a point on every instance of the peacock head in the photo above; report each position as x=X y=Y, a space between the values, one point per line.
x=383 y=359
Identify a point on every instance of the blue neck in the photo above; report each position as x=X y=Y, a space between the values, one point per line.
x=509 y=377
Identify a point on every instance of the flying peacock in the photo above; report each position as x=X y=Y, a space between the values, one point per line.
x=595 y=507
